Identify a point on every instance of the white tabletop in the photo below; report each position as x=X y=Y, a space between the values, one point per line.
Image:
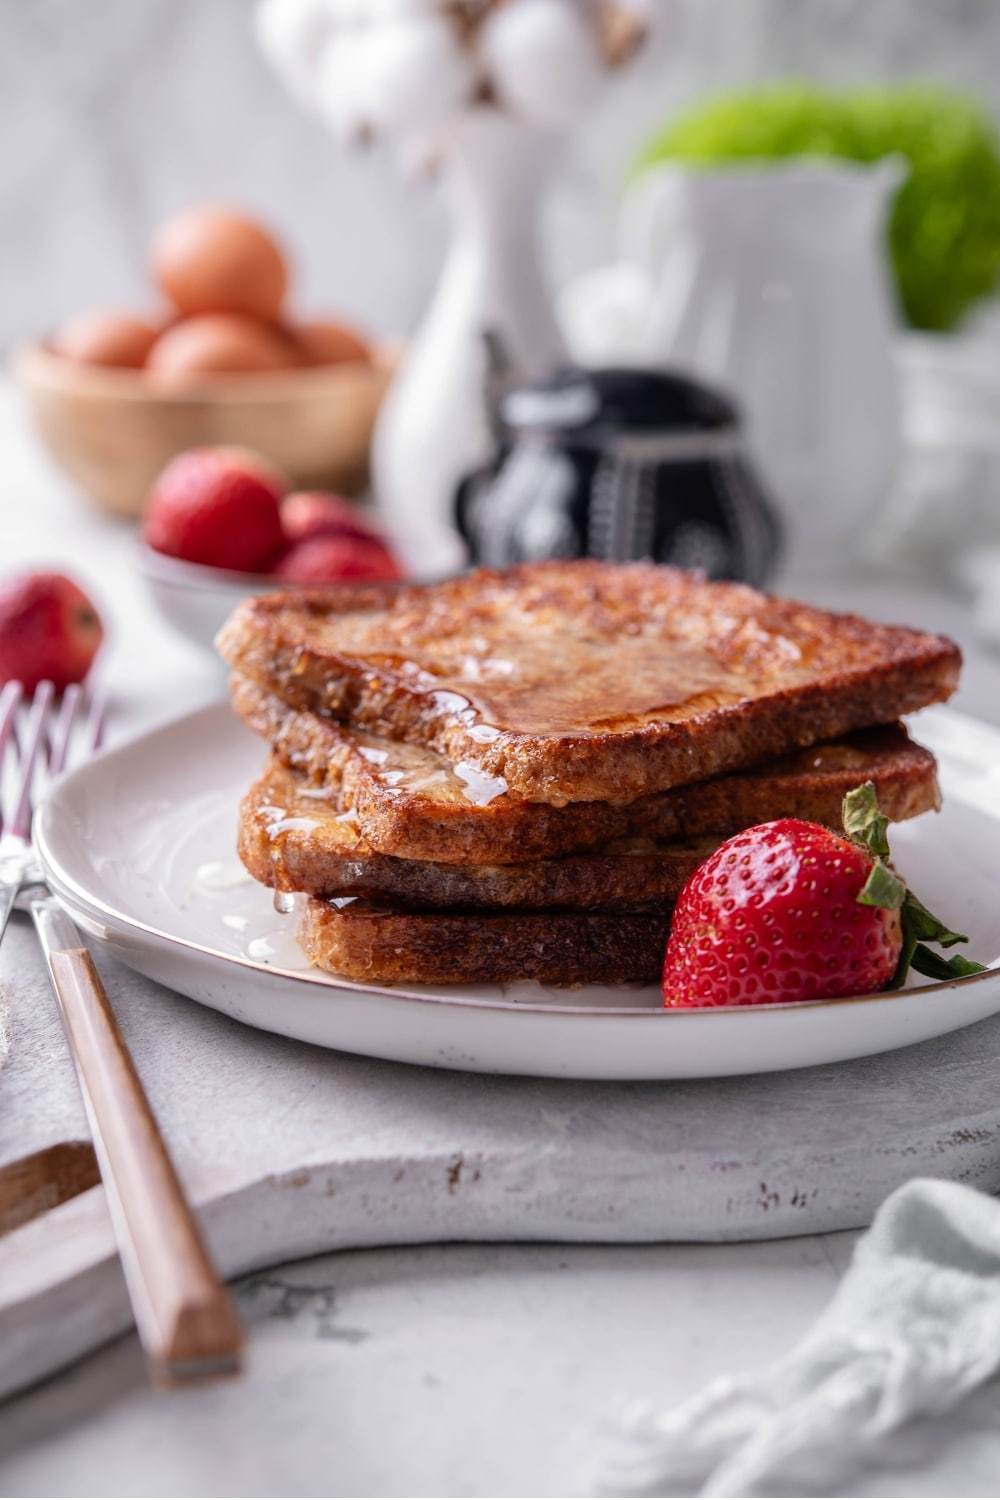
x=438 y=1370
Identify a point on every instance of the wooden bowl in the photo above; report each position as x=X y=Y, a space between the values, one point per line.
x=111 y=431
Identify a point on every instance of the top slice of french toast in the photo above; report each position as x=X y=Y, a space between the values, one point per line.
x=586 y=681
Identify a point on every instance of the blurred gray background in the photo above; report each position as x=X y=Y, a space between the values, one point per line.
x=115 y=112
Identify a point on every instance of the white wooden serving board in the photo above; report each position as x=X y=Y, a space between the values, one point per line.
x=288 y=1150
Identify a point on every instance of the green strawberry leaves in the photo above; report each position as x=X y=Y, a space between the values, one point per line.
x=925 y=925
x=927 y=962
x=865 y=825
x=883 y=888
x=918 y=923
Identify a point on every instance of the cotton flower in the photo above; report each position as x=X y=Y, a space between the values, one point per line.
x=402 y=74
x=543 y=59
x=377 y=67
x=292 y=34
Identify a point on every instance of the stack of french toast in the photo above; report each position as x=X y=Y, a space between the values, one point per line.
x=510 y=775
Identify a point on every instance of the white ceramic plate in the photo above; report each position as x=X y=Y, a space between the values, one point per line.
x=139 y=846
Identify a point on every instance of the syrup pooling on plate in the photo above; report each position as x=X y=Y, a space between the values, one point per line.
x=262 y=931
x=220 y=875
x=278 y=949
x=215 y=898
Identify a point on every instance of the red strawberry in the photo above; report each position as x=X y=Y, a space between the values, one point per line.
x=48 y=629
x=338 y=559
x=217 y=506
x=790 y=911
x=316 y=513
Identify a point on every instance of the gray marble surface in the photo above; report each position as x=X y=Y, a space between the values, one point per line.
x=114 y=113
x=466 y=1370
x=443 y=1370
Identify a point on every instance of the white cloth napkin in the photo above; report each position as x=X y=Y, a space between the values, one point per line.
x=913 y=1328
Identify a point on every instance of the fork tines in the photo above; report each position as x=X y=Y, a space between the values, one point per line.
x=82 y=717
x=36 y=740
x=10 y=698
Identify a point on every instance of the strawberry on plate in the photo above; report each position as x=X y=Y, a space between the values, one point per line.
x=219 y=507
x=791 y=911
x=49 y=630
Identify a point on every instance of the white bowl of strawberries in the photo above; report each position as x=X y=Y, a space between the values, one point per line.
x=222 y=523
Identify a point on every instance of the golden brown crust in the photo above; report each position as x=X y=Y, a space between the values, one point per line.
x=587 y=681
x=295 y=839
x=380 y=946
x=425 y=816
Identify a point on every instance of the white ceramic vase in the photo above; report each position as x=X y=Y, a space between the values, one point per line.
x=434 y=423
x=772 y=282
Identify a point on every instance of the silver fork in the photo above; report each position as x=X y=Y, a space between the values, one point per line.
x=184 y=1316
x=43 y=745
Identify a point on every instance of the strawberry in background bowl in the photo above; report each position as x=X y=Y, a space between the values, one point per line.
x=329 y=540
x=221 y=523
x=217 y=506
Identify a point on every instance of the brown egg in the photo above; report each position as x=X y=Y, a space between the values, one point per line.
x=326 y=342
x=106 y=336
x=209 y=259
x=218 y=343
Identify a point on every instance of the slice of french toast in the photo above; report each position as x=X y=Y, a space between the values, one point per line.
x=409 y=802
x=586 y=681
x=381 y=945
x=294 y=836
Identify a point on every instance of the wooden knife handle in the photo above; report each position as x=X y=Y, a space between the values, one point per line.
x=186 y=1320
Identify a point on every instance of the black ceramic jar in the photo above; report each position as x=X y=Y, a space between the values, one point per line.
x=620 y=464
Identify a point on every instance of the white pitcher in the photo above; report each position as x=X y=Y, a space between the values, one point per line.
x=772 y=281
